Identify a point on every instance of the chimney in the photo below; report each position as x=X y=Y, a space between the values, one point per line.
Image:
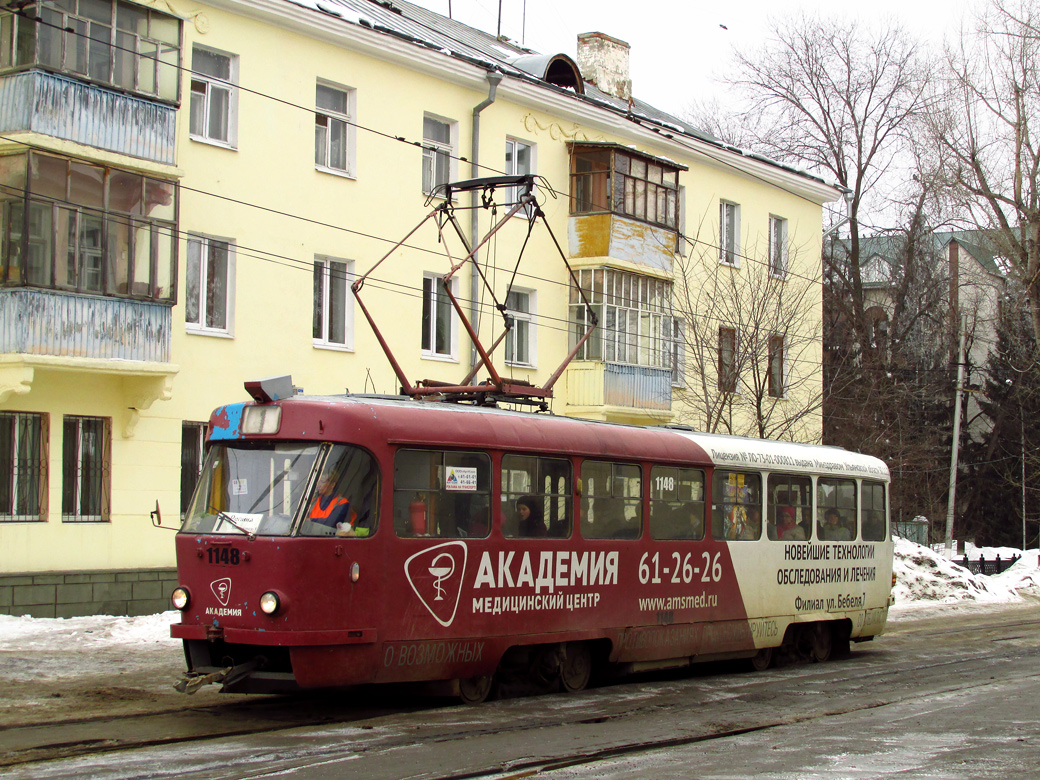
x=603 y=61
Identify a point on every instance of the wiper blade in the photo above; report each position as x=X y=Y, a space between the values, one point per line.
x=228 y=518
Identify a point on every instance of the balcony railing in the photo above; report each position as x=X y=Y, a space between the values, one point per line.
x=43 y=103
x=640 y=388
x=45 y=322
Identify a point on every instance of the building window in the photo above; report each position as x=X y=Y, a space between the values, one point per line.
x=777 y=378
x=193 y=440
x=520 y=338
x=439 y=137
x=334 y=129
x=519 y=162
x=86 y=456
x=23 y=466
x=729 y=233
x=727 y=360
x=635 y=318
x=209 y=279
x=71 y=225
x=333 y=310
x=439 y=323
x=213 y=96
x=605 y=178
x=778 y=246
x=118 y=44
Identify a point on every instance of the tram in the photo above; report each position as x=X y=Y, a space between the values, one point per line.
x=344 y=540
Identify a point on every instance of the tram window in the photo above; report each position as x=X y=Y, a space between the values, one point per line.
x=835 y=497
x=254 y=488
x=676 y=503
x=544 y=486
x=736 y=505
x=788 y=497
x=442 y=493
x=872 y=503
x=611 y=500
x=345 y=501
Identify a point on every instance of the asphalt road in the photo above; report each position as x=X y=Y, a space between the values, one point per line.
x=951 y=695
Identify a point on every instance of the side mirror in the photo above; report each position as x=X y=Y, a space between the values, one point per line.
x=156 y=515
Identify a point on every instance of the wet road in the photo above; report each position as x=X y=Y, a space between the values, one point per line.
x=951 y=695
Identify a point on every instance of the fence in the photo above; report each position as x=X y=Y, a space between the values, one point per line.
x=992 y=566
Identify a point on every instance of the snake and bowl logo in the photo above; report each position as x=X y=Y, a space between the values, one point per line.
x=435 y=575
x=222 y=590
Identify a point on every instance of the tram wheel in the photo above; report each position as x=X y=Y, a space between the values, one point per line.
x=762 y=660
x=575 y=666
x=822 y=642
x=475 y=690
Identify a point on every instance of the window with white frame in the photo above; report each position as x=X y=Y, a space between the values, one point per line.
x=439 y=323
x=193 y=440
x=777 y=375
x=213 y=96
x=439 y=138
x=729 y=233
x=635 y=317
x=85 y=469
x=727 y=360
x=23 y=466
x=519 y=161
x=334 y=129
x=520 y=340
x=333 y=303
x=777 y=246
x=209 y=282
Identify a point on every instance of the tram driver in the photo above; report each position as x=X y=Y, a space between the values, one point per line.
x=331 y=509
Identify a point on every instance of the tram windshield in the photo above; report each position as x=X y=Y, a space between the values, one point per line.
x=252 y=489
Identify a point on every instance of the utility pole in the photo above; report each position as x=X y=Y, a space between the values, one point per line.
x=961 y=360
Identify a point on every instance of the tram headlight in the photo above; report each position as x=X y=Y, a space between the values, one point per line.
x=180 y=598
x=270 y=603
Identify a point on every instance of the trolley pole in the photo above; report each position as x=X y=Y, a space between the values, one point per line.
x=956 y=438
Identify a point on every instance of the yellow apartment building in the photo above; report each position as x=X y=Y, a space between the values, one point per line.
x=188 y=192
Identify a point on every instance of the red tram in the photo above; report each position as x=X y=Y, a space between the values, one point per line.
x=355 y=539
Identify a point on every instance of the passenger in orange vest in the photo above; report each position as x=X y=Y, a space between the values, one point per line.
x=331 y=509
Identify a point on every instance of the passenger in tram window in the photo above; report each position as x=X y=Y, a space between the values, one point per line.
x=753 y=528
x=530 y=522
x=788 y=528
x=832 y=529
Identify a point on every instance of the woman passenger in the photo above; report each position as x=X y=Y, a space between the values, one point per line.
x=529 y=512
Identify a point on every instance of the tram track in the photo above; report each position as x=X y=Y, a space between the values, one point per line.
x=899 y=671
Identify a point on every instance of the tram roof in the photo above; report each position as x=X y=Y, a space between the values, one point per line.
x=467 y=425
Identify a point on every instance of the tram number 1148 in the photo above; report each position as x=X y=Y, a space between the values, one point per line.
x=679 y=569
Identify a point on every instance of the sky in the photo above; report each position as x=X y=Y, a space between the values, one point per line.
x=680 y=47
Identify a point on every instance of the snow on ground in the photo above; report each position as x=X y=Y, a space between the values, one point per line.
x=923 y=579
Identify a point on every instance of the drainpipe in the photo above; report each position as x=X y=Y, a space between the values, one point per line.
x=494 y=78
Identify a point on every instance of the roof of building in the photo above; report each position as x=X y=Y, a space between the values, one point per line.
x=431 y=30
x=889 y=247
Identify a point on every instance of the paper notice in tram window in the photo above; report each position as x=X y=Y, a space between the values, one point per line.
x=460 y=478
x=246 y=523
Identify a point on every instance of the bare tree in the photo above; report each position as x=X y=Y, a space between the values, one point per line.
x=751 y=358
x=842 y=100
x=982 y=127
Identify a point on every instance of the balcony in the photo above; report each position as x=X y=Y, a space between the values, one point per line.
x=44 y=322
x=51 y=332
x=59 y=107
x=619 y=392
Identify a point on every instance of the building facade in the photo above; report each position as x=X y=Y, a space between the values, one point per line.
x=189 y=192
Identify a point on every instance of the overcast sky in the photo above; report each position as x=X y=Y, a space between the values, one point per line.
x=679 y=46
